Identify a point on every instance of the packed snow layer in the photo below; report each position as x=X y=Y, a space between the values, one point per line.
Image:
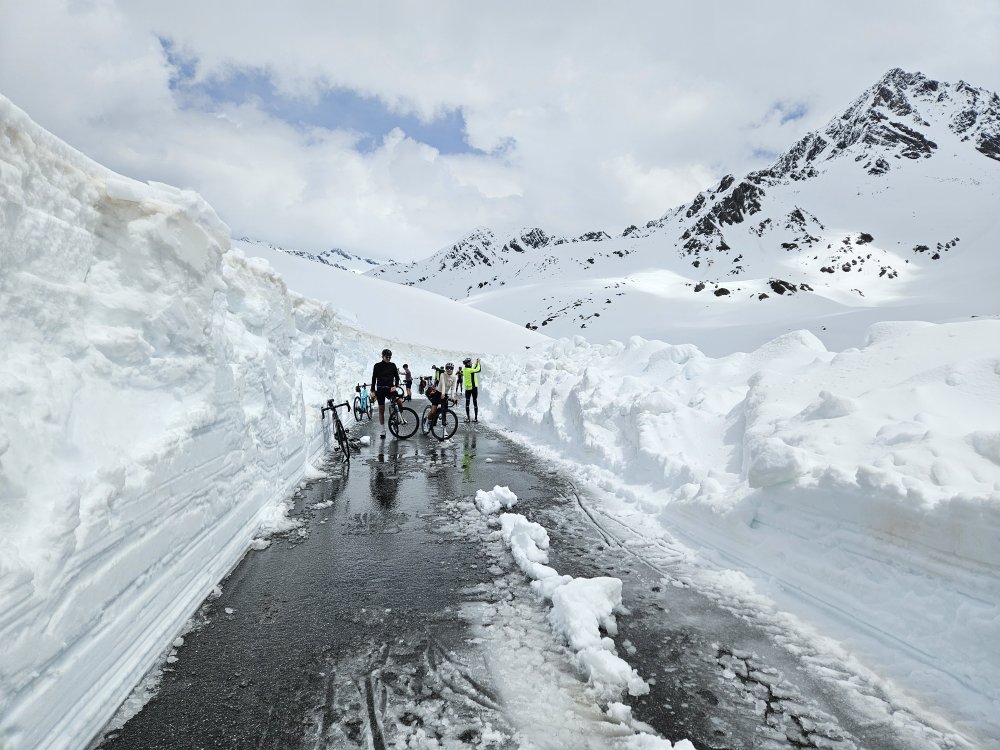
x=861 y=488
x=159 y=400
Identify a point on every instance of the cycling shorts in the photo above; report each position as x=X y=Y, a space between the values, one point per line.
x=381 y=394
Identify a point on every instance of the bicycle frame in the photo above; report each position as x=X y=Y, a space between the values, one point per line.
x=339 y=431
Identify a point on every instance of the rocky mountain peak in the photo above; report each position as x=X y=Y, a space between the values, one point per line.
x=803 y=224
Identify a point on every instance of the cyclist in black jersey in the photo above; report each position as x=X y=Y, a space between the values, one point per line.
x=384 y=376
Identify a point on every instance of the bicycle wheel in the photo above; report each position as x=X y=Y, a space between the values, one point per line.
x=370 y=409
x=425 y=420
x=403 y=422
x=358 y=411
x=342 y=442
x=445 y=426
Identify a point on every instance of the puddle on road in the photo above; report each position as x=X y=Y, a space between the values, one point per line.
x=398 y=619
x=393 y=617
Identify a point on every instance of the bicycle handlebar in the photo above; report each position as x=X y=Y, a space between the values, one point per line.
x=330 y=406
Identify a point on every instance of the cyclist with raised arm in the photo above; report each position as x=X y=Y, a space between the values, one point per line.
x=385 y=375
x=470 y=373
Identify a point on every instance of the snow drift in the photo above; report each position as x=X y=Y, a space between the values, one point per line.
x=861 y=488
x=159 y=397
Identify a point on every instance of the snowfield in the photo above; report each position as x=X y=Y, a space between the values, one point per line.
x=159 y=397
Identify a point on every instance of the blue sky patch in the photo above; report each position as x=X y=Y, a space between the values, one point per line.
x=336 y=109
x=789 y=111
x=764 y=154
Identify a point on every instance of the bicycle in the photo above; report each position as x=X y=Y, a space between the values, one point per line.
x=403 y=422
x=362 y=402
x=339 y=432
x=446 y=423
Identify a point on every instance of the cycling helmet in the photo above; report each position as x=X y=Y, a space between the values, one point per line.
x=467 y=361
x=449 y=366
x=386 y=353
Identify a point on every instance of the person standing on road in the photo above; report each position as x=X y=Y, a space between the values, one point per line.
x=384 y=376
x=408 y=382
x=470 y=376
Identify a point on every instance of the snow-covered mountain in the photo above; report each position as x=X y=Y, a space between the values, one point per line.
x=891 y=205
x=334 y=257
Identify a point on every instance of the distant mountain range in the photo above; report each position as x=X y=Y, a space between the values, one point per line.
x=890 y=211
x=334 y=257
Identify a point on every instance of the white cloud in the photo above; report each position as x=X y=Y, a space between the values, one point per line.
x=596 y=113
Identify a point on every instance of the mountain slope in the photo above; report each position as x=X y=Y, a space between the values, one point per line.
x=335 y=257
x=891 y=205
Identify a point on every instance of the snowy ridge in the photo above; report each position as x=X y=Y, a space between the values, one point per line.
x=478 y=261
x=335 y=257
x=886 y=210
x=862 y=488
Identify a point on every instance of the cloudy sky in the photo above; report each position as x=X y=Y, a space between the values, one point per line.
x=394 y=128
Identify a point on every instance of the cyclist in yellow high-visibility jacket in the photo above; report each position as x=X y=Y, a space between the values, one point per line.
x=470 y=381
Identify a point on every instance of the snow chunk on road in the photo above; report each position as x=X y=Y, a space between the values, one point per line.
x=529 y=544
x=581 y=609
x=497 y=498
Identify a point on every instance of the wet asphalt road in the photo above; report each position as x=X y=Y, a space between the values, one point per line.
x=354 y=632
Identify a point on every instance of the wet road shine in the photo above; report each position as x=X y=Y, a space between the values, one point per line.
x=393 y=617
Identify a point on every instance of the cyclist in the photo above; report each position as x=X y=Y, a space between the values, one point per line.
x=470 y=374
x=385 y=375
x=408 y=382
x=446 y=379
x=434 y=396
x=443 y=388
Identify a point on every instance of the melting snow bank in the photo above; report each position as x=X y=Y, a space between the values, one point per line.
x=159 y=401
x=860 y=490
x=581 y=609
x=159 y=398
x=153 y=399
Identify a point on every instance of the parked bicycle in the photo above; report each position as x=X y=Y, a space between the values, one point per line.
x=362 y=402
x=403 y=422
x=446 y=422
x=339 y=433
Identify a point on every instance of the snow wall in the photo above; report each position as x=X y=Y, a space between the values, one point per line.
x=159 y=395
x=860 y=489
